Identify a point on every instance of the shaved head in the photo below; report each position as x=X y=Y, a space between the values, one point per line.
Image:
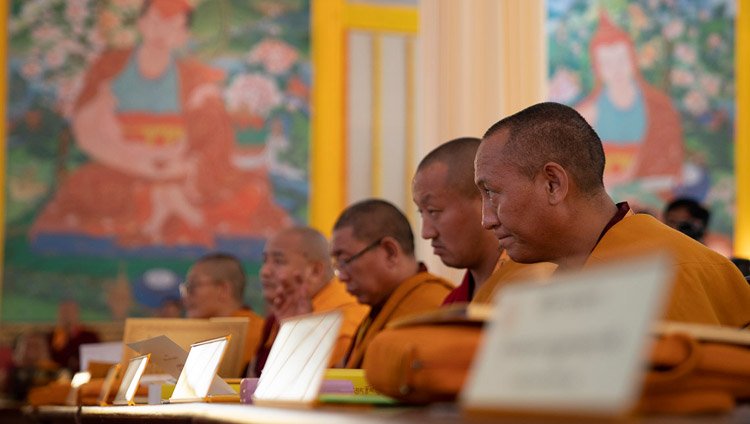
x=458 y=157
x=311 y=244
x=373 y=219
x=224 y=267
x=551 y=132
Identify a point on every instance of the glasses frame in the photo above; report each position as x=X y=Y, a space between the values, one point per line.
x=338 y=265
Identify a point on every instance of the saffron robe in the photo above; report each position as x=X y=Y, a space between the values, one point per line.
x=254 y=331
x=707 y=287
x=332 y=296
x=421 y=292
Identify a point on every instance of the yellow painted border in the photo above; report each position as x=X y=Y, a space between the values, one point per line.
x=331 y=19
x=3 y=116
x=381 y=18
x=742 y=141
x=327 y=151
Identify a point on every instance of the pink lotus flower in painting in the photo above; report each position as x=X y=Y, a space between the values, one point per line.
x=275 y=55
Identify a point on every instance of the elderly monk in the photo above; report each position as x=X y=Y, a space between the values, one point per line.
x=540 y=174
x=373 y=251
x=451 y=209
x=214 y=288
x=297 y=278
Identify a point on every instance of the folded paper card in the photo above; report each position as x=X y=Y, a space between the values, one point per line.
x=171 y=358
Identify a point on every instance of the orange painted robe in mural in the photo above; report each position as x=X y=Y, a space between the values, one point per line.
x=99 y=201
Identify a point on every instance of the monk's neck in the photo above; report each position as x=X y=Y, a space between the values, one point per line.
x=482 y=271
x=591 y=220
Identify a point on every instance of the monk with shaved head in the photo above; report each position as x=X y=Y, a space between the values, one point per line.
x=373 y=252
x=297 y=278
x=540 y=175
x=451 y=209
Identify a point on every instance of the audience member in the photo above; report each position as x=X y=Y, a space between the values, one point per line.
x=68 y=336
x=32 y=365
x=214 y=288
x=297 y=278
x=540 y=173
x=373 y=253
x=451 y=209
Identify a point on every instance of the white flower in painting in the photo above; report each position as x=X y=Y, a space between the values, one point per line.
x=55 y=57
x=254 y=93
x=673 y=29
x=564 y=86
x=695 y=102
x=681 y=78
x=711 y=85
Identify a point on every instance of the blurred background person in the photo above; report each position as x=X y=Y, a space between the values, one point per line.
x=67 y=338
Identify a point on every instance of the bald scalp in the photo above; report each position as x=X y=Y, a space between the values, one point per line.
x=311 y=244
x=458 y=156
x=223 y=266
x=552 y=132
x=374 y=218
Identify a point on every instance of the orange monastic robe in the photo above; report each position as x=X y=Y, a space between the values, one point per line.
x=420 y=293
x=707 y=287
x=254 y=332
x=334 y=296
x=507 y=271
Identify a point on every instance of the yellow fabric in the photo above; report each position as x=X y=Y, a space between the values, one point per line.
x=707 y=287
x=254 y=333
x=419 y=293
x=507 y=271
x=334 y=296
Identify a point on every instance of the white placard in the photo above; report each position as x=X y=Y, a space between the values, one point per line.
x=575 y=345
x=298 y=359
x=200 y=370
x=130 y=380
x=107 y=352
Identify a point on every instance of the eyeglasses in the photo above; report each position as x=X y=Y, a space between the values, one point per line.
x=189 y=287
x=338 y=265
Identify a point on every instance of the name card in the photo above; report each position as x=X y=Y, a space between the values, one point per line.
x=298 y=359
x=199 y=372
x=130 y=380
x=573 y=346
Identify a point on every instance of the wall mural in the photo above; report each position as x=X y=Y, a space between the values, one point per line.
x=143 y=134
x=655 y=78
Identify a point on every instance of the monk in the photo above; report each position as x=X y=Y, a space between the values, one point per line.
x=297 y=278
x=451 y=209
x=214 y=288
x=540 y=174
x=372 y=246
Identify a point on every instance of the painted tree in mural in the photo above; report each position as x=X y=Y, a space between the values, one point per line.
x=154 y=131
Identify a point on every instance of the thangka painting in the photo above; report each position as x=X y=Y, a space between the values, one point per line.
x=655 y=78
x=142 y=134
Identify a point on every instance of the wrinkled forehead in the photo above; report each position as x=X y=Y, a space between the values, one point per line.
x=491 y=153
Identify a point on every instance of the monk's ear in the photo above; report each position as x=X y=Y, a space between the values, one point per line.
x=317 y=268
x=392 y=248
x=556 y=182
